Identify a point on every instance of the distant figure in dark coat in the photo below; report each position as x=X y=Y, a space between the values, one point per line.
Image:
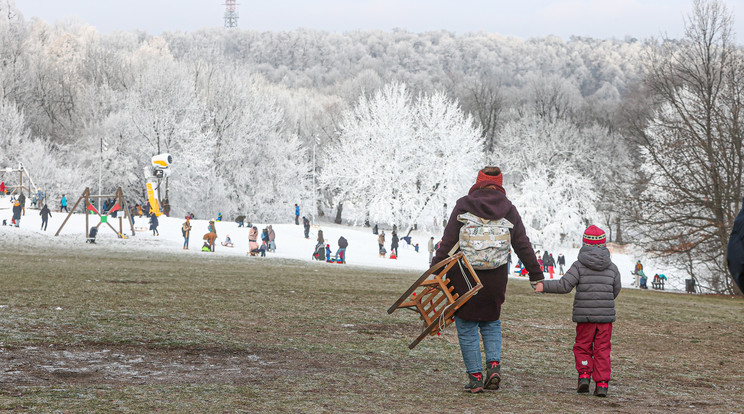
x=154 y=224
x=45 y=214
x=735 y=251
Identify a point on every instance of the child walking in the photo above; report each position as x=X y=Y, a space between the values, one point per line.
x=597 y=283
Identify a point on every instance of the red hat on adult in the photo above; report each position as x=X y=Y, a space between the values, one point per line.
x=489 y=177
x=594 y=236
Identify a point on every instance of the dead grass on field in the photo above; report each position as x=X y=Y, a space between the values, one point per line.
x=170 y=334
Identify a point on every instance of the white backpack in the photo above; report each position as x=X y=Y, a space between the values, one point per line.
x=485 y=243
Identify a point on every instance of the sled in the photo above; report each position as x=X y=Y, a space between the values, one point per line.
x=227 y=244
x=432 y=297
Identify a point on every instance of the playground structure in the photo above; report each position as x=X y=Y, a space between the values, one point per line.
x=120 y=205
x=159 y=169
x=30 y=188
x=432 y=297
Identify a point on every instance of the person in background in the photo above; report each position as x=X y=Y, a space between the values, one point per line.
x=306 y=225
x=394 y=244
x=210 y=238
x=272 y=238
x=381 y=240
x=240 y=220
x=341 y=252
x=297 y=216
x=154 y=224
x=186 y=231
x=22 y=200
x=2 y=189
x=328 y=253
x=561 y=263
x=219 y=216
x=228 y=242
x=16 y=213
x=45 y=214
x=63 y=204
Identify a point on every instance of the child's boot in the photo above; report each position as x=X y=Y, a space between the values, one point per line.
x=584 y=382
x=600 y=390
x=493 y=375
x=475 y=383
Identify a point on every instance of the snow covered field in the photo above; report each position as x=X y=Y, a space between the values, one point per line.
x=290 y=241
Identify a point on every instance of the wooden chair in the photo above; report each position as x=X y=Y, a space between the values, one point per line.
x=432 y=297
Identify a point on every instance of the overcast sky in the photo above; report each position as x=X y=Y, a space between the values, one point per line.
x=521 y=18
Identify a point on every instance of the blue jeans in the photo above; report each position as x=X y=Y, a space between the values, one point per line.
x=342 y=252
x=467 y=334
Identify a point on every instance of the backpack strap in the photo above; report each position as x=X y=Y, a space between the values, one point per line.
x=453 y=250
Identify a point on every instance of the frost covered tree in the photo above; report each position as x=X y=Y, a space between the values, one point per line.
x=398 y=160
x=542 y=163
x=692 y=147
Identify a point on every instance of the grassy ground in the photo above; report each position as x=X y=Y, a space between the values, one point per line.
x=93 y=332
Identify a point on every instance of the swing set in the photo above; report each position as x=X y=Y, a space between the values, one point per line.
x=119 y=205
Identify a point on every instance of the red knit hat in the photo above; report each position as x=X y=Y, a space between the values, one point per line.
x=594 y=236
x=489 y=176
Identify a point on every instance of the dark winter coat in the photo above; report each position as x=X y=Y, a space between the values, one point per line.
x=735 y=250
x=22 y=199
x=321 y=240
x=45 y=213
x=153 y=222
x=546 y=259
x=561 y=260
x=597 y=283
x=17 y=211
x=342 y=243
x=493 y=205
x=186 y=229
x=394 y=241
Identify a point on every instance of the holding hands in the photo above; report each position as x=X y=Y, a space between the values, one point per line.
x=538 y=287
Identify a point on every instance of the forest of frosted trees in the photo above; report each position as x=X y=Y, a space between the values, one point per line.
x=360 y=127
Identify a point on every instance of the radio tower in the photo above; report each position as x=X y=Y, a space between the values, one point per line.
x=231 y=13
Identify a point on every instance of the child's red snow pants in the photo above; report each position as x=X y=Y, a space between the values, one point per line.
x=592 y=350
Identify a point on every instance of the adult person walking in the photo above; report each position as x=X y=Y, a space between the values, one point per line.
x=154 y=224
x=272 y=238
x=341 y=252
x=394 y=244
x=45 y=214
x=431 y=249
x=22 y=200
x=306 y=225
x=186 y=231
x=487 y=200
x=561 y=263
x=63 y=204
x=297 y=215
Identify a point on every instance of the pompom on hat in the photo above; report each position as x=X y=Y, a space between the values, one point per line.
x=594 y=236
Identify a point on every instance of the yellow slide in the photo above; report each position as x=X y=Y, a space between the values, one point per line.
x=154 y=204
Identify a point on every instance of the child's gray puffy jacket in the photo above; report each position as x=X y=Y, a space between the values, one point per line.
x=597 y=283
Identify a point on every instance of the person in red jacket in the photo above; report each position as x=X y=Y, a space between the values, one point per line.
x=486 y=199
